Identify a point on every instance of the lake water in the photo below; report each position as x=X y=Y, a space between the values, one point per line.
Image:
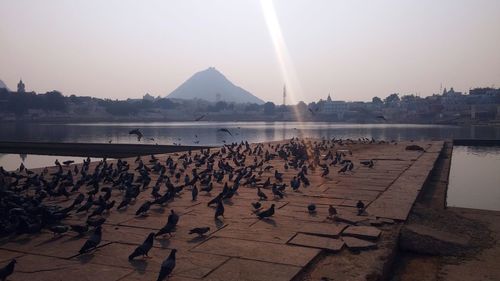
x=474 y=180
x=189 y=133
x=11 y=162
x=206 y=133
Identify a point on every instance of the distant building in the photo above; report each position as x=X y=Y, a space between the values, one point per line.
x=331 y=107
x=452 y=100
x=20 y=87
x=148 y=97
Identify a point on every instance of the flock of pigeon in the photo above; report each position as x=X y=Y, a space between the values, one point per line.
x=24 y=208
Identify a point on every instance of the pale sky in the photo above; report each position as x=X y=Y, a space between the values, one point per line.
x=352 y=49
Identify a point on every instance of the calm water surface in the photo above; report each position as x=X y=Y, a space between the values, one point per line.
x=11 y=162
x=206 y=133
x=189 y=133
x=475 y=178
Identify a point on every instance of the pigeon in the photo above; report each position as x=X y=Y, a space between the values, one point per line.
x=79 y=199
x=125 y=202
x=344 y=169
x=199 y=230
x=167 y=266
x=59 y=229
x=143 y=249
x=361 y=207
x=225 y=131
x=256 y=205
x=95 y=222
x=93 y=241
x=311 y=208
x=194 y=193
x=80 y=229
x=136 y=132
x=262 y=195
x=332 y=211
x=219 y=211
x=173 y=218
x=277 y=192
x=143 y=209
x=167 y=229
x=267 y=213
x=86 y=207
x=208 y=188
x=7 y=270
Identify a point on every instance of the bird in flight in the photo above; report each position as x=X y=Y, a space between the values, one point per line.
x=136 y=132
x=225 y=131
x=200 y=117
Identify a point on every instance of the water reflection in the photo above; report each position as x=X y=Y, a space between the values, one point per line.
x=475 y=178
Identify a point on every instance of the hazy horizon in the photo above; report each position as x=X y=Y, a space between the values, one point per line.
x=354 y=49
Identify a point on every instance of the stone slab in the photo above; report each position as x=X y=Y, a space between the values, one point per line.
x=40 y=268
x=251 y=270
x=365 y=232
x=358 y=244
x=189 y=264
x=320 y=242
x=6 y=256
x=262 y=251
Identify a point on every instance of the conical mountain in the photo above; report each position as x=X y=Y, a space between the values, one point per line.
x=2 y=85
x=211 y=85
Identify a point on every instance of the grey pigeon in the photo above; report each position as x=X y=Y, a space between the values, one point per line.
x=167 y=266
x=7 y=270
x=143 y=249
x=219 y=211
x=199 y=230
x=93 y=241
x=267 y=213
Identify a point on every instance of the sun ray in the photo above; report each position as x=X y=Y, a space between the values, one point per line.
x=285 y=63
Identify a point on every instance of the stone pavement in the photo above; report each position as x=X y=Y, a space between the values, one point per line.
x=288 y=246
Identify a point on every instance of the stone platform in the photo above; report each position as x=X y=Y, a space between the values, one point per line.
x=294 y=244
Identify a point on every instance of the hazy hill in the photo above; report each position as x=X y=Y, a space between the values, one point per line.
x=2 y=85
x=207 y=84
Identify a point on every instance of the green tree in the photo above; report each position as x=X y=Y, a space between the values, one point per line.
x=269 y=108
x=377 y=101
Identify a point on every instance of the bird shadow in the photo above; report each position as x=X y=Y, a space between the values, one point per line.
x=219 y=223
x=86 y=257
x=141 y=217
x=139 y=265
x=158 y=210
x=164 y=241
x=270 y=221
x=74 y=238
x=50 y=240
x=197 y=239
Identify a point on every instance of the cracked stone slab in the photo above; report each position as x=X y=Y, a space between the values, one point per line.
x=189 y=264
x=264 y=233
x=262 y=251
x=61 y=246
x=6 y=256
x=149 y=275
x=364 y=232
x=358 y=244
x=40 y=268
x=251 y=270
x=350 y=218
x=320 y=242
